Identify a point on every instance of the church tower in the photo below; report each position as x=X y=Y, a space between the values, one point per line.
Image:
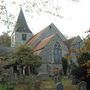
x=21 y=32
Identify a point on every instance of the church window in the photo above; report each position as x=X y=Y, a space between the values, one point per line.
x=24 y=36
x=50 y=27
x=57 y=53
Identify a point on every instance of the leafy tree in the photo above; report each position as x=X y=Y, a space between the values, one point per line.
x=79 y=73
x=85 y=52
x=84 y=58
x=23 y=55
x=87 y=42
x=65 y=65
x=5 y=39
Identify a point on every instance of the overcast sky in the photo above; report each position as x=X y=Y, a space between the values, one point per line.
x=75 y=13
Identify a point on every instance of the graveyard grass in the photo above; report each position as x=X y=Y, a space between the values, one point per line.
x=68 y=84
x=50 y=85
x=2 y=87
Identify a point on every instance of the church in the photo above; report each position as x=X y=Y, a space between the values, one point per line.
x=49 y=43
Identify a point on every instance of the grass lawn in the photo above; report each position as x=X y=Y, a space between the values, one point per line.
x=68 y=84
x=50 y=85
x=1 y=87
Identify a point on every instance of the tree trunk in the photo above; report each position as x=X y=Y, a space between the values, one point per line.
x=29 y=69
x=24 y=70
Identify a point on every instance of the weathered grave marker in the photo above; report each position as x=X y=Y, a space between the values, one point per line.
x=82 y=85
x=59 y=86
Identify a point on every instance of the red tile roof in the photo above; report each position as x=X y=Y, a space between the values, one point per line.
x=35 y=37
x=43 y=43
x=31 y=40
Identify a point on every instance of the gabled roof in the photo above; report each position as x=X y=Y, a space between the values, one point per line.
x=72 y=41
x=39 y=48
x=21 y=24
x=34 y=38
x=43 y=43
x=77 y=40
x=46 y=32
x=68 y=43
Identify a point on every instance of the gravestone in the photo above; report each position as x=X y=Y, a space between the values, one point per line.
x=82 y=85
x=75 y=81
x=59 y=86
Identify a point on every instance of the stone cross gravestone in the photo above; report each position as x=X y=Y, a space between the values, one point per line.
x=59 y=86
x=82 y=85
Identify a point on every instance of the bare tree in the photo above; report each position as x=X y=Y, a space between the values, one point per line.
x=5 y=17
x=49 y=7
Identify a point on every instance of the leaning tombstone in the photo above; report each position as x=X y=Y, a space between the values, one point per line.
x=82 y=85
x=59 y=86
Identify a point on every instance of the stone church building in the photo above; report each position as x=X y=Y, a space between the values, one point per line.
x=49 y=43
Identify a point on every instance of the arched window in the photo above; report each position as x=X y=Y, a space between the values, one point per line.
x=57 y=53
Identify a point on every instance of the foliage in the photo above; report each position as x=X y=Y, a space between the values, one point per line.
x=26 y=82
x=65 y=65
x=5 y=40
x=85 y=57
x=78 y=72
x=24 y=55
x=85 y=52
x=87 y=43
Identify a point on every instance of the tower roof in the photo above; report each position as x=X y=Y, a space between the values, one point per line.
x=21 y=24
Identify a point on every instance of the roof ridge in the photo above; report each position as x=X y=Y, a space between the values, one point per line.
x=39 y=33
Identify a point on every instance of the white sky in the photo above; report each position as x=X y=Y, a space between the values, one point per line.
x=75 y=21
